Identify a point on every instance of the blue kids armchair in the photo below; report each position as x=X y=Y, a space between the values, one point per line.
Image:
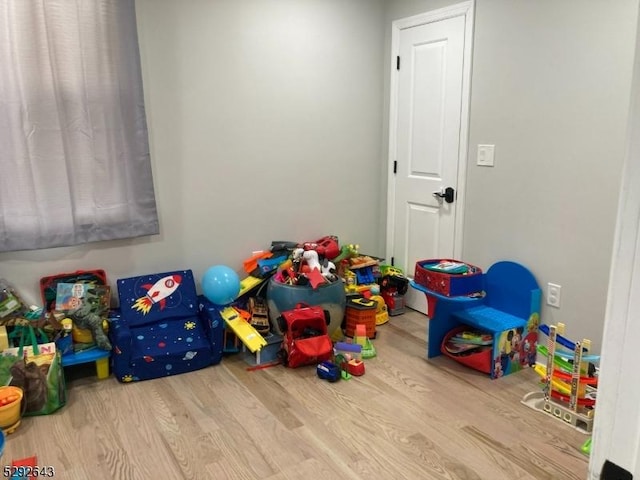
x=162 y=327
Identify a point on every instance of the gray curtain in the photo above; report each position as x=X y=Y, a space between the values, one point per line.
x=74 y=149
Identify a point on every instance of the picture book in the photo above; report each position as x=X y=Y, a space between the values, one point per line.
x=70 y=296
x=449 y=267
x=471 y=337
x=458 y=348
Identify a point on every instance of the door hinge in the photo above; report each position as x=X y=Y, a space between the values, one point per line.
x=398 y=62
x=395 y=166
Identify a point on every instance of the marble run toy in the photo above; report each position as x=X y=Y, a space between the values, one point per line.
x=568 y=388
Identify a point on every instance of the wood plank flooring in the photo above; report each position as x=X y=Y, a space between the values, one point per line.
x=406 y=418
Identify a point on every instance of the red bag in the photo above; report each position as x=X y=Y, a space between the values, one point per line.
x=306 y=341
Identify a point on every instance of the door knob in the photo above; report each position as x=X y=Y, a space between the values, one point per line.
x=448 y=194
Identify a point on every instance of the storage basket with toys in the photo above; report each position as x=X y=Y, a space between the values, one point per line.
x=448 y=277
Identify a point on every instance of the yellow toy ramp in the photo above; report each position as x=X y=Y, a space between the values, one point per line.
x=249 y=283
x=245 y=332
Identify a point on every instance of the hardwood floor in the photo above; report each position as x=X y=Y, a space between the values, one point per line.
x=406 y=418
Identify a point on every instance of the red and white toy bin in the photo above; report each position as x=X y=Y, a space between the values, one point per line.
x=447 y=283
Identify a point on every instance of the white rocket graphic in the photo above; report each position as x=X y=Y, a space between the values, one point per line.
x=157 y=293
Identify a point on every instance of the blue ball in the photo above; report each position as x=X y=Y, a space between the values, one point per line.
x=220 y=284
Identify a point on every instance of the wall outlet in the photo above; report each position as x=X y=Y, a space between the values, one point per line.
x=553 y=295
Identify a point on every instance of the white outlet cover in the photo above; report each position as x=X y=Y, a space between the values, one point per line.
x=553 y=295
x=486 y=155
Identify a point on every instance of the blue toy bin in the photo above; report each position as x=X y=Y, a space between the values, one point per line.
x=330 y=296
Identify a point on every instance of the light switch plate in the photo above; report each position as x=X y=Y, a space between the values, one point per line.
x=486 y=155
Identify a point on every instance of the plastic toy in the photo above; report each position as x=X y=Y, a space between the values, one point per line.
x=569 y=389
x=248 y=283
x=267 y=355
x=250 y=265
x=259 y=315
x=328 y=371
x=90 y=315
x=360 y=311
x=283 y=246
x=313 y=270
x=586 y=447
x=346 y=252
x=328 y=270
x=248 y=335
x=10 y=410
x=341 y=361
x=266 y=266
x=368 y=350
x=306 y=340
x=362 y=261
x=394 y=301
x=390 y=270
x=393 y=286
x=354 y=367
x=282 y=297
x=327 y=247
x=382 y=313
x=350 y=355
x=349 y=350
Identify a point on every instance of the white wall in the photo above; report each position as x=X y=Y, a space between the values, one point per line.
x=550 y=88
x=265 y=121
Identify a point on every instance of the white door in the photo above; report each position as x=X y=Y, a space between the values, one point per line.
x=616 y=428
x=428 y=141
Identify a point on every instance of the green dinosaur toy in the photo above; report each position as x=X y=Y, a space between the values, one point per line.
x=90 y=313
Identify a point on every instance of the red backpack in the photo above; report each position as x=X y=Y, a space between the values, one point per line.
x=306 y=341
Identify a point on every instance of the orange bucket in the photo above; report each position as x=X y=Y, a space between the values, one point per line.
x=10 y=407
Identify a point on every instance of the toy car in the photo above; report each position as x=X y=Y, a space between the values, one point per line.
x=328 y=371
x=327 y=247
x=259 y=315
x=354 y=367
